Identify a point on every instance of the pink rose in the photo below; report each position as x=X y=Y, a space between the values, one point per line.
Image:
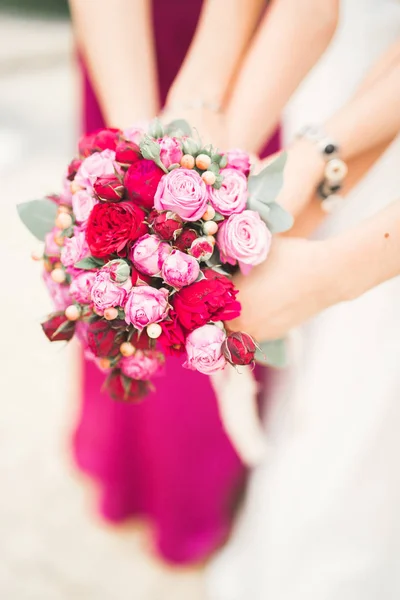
x=66 y=194
x=244 y=238
x=50 y=247
x=202 y=249
x=106 y=293
x=75 y=248
x=149 y=253
x=204 y=349
x=237 y=159
x=95 y=165
x=81 y=286
x=232 y=195
x=82 y=204
x=170 y=151
x=142 y=365
x=146 y=305
x=135 y=134
x=180 y=269
x=182 y=191
x=59 y=292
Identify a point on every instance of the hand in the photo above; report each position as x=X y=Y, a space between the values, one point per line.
x=209 y=125
x=297 y=280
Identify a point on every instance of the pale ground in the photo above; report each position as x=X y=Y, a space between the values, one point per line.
x=52 y=545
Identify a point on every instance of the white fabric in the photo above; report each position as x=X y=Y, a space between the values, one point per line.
x=322 y=517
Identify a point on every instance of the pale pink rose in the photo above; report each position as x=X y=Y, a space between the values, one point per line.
x=204 y=352
x=50 y=247
x=202 y=249
x=232 y=195
x=136 y=133
x=142 y=365
x=95 y=165
x=149 y=253
x=59 y=292
x=146 y=305
x=170 y=151
x=75 y=248
x=81 y=287
x=66 y=194
x=180 y=269
x=82 y=204
x=244 y=238
x=105 y=293
x=240 y=160
x=184 y=192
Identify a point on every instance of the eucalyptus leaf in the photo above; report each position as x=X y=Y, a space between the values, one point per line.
x=223 y=161
x=156 y=129
x=218 y=217
x=38 y=216
x=272 y=353
x=277 y=218
x=266 y=186
x=178 y=126
x=151 y=151
x=89 y=263
x=214 y=168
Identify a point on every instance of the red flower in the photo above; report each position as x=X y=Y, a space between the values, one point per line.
x=99 y=140
x=111 y=226
x=109 y=188
x=167 y=225
x=142 y=341
x=212 y=299
x=105 y=337
x=172 y=339
x=185 y=240
x=239 y=348
x=141 y=181
x=124 y=389
x=127 y=153
x=139 y=278
x=73 y=168
x=58 y=328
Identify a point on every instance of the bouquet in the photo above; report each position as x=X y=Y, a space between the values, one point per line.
x=140 y=247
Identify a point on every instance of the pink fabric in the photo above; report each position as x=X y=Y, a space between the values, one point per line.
x=166 y=459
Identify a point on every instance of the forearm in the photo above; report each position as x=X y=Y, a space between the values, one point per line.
x=116 y=41
x=289 y=41
x=221 y=38
x=366 y=255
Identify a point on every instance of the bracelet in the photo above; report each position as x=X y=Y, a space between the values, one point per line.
x=335 y=168
x=196 y=104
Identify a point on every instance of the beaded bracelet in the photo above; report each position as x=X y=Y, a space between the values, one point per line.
x=335 y=168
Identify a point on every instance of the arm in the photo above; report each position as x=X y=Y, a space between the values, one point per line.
x=291 y=38
x=117 y=44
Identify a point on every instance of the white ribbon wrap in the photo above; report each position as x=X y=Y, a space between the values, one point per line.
x=236 y=393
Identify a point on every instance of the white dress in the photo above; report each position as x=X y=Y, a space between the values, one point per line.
x=322 y=516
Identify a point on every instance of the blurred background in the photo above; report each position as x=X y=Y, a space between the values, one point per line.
x=52 y=545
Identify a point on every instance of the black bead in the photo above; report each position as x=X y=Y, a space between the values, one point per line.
x=330 y=149
x=335 y=188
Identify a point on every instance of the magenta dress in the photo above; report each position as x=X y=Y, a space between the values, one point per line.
x=166 y=459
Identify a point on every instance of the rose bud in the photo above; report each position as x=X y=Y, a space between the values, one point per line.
x=109 y=188
x=146 y=305
x=143 y=365
x=152 y=216
x=201 y=249
x=170 y=151
x=167 y=225
x=239 y=160
x=102 y=139
x=138 y=278
x=141 y=181
x=185 y=240
x=58 y=328
x=105 y=293
x=104 y=338
x=73 y=168
x=148 y=254
x=180 y=269
x=239 y=348
x=119 y=270
x=204 y=350
x=125 y=389
x=126 y=153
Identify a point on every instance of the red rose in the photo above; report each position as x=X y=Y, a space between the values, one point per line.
x=212 y=299
x=73 y=168
x=112 y=225
x=142 y=341
x=125 y=389
x=141 y=181
x=239 y=348
x=186 y=239
x=105 y=337
x=167 y=225
x=172 y=339
x=139 y=278
x=109 y=188
x=58 y=328
x=99 y=140
x=127 y=153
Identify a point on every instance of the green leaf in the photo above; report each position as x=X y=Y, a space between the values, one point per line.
x=190 y=146
x=151 y=151
x=278 y=219
x=218 y=217
x=156 y=129
x=266 y=185
x=272 y=354
x=89 y=263
x=214 y=168
x=38 y=216
x=178 y=127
